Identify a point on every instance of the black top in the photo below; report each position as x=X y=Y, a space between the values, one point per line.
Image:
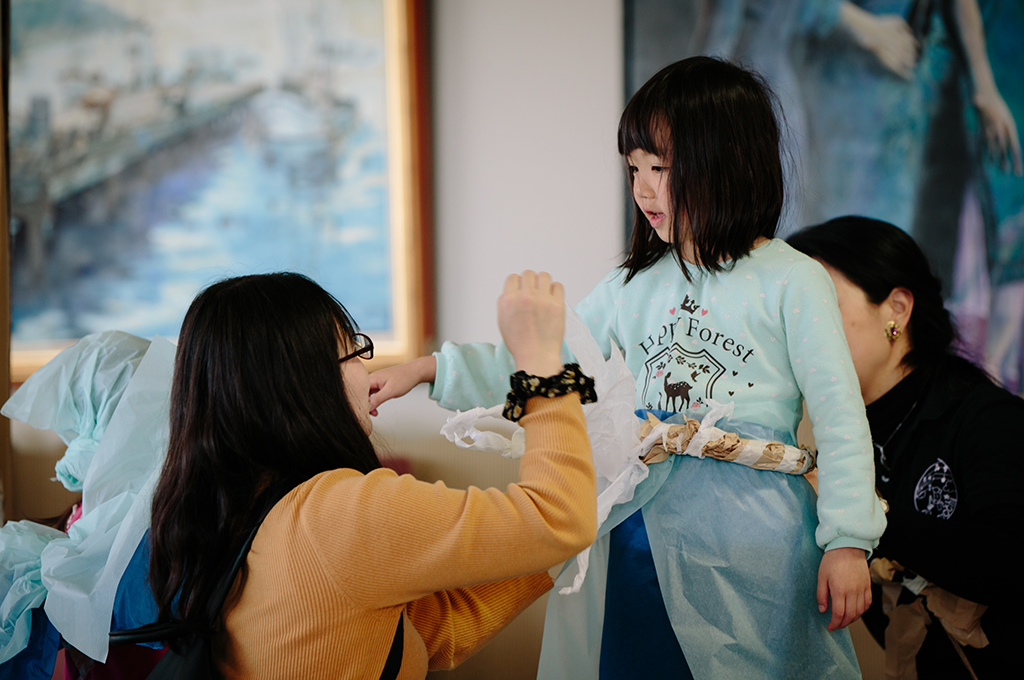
x=947 y=442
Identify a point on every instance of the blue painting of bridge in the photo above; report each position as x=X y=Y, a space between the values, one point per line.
x=156 y=149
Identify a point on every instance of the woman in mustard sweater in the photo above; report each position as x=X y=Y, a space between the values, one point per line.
x=353 y=561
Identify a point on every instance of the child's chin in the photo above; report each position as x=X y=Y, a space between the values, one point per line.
x=664 y=234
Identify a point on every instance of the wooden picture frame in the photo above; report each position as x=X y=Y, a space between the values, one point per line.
x=6 y=462
x=409 y=209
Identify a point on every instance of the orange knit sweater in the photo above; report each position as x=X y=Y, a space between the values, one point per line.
x=342 y=556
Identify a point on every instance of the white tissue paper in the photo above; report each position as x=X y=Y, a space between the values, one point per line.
x=611 y=424
x=81 y=572
x=462 y=430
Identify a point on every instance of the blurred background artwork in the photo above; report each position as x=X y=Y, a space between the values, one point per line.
x=158 y=147
x=905 y=111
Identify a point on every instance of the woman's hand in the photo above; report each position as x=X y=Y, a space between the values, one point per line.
x=844 y=575
x=887 y=36
x=396 y=381
x=1000 y=130
x=531 y=316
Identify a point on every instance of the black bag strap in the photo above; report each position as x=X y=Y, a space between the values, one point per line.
x=394 y=662
x=173 y=630
x=221 y=594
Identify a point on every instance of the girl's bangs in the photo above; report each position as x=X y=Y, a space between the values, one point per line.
x=643 y=127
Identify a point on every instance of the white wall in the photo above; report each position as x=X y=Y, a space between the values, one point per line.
x=527 y=96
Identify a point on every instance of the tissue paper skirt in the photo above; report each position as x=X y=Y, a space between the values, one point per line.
x=737 y=566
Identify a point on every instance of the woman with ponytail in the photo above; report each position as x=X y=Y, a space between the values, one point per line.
x=946 y=446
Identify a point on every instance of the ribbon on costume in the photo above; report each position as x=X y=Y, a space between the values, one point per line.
x=704 y=440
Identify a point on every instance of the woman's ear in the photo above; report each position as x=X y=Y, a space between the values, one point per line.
x=901 y=305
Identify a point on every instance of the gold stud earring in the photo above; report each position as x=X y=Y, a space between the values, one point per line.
x=893 y=331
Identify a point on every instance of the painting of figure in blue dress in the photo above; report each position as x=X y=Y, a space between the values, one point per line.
x=905 y=111
x=158 y=147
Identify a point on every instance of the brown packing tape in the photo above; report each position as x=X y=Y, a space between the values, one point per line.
x=727 y=447
x=771 y=457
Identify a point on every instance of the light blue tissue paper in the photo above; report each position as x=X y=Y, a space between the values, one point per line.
x=21 y=587
x=75 y=395
x=82 y=572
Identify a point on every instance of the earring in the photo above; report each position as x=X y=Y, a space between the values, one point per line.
x=893 y=331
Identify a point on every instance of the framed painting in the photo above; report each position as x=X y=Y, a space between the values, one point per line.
x=158 y=147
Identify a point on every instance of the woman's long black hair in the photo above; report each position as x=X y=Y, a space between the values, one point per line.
x=879 y=257
x=717 y=123
x=257 y=407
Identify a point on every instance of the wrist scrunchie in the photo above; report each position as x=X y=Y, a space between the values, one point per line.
x=571 y=379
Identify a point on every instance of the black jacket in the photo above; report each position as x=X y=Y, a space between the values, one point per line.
x=948 y=451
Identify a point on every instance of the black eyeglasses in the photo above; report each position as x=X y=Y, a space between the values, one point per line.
x=364 y=348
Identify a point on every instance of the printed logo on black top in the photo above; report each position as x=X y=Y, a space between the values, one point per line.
x=935 y=493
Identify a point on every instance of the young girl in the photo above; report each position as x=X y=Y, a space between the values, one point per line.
x=711 y=568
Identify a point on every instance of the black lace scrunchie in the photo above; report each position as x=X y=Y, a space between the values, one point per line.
x=571 y=379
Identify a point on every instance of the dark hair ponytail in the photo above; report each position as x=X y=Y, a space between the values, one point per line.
x=257 y=406
x=878 y=257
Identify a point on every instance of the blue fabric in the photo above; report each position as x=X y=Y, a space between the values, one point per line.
x=638 y=639
x=36 y=661
x=134 y=605
x=737 y=565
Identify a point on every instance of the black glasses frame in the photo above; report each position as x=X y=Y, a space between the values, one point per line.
x=364 y=348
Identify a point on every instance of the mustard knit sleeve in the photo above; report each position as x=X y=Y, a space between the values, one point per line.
x=454 y=624
x=388 y=540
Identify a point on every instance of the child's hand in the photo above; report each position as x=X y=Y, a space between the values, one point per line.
x=844 y=575
x=396 y=381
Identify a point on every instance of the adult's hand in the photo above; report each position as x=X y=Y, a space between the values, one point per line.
x=531 y=316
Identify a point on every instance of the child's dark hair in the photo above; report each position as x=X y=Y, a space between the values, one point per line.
x=717 y=124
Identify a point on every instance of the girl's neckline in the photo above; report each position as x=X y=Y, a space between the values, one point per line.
x=765 y=242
